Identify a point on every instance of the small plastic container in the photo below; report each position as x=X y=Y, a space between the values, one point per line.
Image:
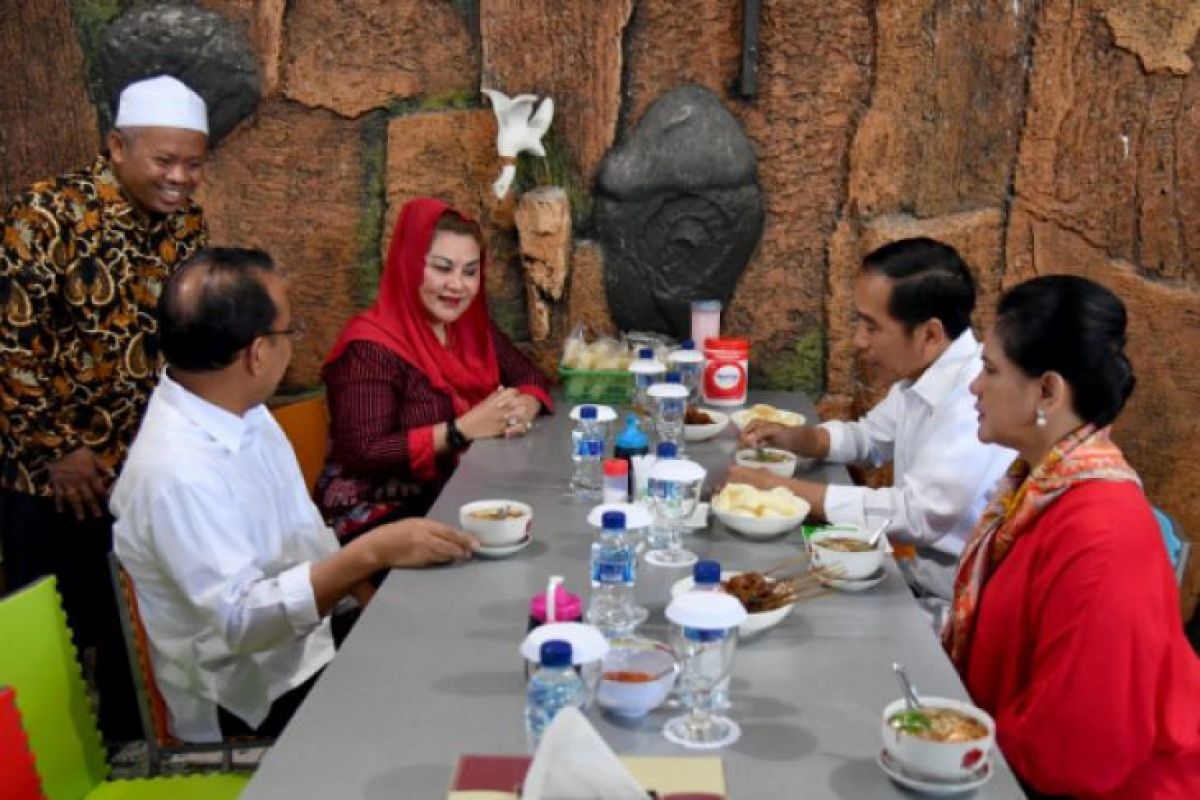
x=726 y=371
x=706 y=320
x=555 y=604
x=616 y=480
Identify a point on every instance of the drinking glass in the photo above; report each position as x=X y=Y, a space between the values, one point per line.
x=705 y=657
x=674 y=490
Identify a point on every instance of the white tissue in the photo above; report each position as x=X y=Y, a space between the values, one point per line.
x=574 y=763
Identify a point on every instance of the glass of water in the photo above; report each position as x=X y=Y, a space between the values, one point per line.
x=674 y=490
x=703 y=636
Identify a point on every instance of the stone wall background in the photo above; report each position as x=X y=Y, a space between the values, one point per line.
x=1034 y=135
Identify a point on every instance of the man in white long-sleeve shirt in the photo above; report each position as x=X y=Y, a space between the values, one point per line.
x=235 y=571
x=913 y=301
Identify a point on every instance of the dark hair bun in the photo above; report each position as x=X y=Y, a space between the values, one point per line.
x=1075 y=327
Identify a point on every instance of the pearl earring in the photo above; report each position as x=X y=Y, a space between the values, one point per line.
x=1041 y=418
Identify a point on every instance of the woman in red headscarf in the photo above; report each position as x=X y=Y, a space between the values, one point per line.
x=414 y=379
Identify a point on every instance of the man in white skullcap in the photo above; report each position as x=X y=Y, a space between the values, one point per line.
x=83 y=258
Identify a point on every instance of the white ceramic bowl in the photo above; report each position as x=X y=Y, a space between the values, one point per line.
x=636 y=699
x=849 y=565
x=494 y=532
x=783 y=468
x=700 y=433
x=761 y=527
x=755 y=623
x=742 y=418
x=945 y=760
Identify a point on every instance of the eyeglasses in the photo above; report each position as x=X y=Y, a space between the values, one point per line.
x=294 y=332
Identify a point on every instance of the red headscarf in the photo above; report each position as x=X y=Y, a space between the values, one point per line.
x=466 y=367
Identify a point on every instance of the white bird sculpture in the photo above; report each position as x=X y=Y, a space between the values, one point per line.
x=520 y=130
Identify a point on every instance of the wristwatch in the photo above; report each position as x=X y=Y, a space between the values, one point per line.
x=455 y=438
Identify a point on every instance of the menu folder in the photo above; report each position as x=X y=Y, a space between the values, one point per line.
x=491 y=777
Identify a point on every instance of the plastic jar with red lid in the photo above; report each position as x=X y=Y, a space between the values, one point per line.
x=726 y=371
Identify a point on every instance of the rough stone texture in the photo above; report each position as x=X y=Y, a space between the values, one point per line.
x=1108 y=188
x=586 y=303
x=201 y=47
x=678 y=211
x=452 y=155
x=543 y=220
x=354 y=55
x=1159 y=32
x=290 y=183
x=814 y=76
x=261 y=21
x=570 y=51
x=49 y=123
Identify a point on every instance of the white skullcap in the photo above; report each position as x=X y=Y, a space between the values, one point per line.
x=161 y=102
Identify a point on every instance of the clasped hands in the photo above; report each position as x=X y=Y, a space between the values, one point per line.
x=505 y=412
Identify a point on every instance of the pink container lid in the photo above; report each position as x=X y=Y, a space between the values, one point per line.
x=568 y=607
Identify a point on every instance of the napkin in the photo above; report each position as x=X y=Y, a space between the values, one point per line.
x=574 y=763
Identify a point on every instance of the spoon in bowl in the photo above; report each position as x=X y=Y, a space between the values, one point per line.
x=911 y=700
x=874 y=540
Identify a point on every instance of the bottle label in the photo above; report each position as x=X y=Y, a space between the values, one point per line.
x=590 y=448
x=702 y=635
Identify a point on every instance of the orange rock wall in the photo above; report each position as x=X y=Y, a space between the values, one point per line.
x=1035 y=136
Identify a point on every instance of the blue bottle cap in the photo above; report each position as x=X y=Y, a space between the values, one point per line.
x=613 y=521
x=706 y=573
x=556 y=653
x=667 y=450
x=674 y=377
x=587 y=412
x=646 y=353
x=687 y=344
x=632 y=437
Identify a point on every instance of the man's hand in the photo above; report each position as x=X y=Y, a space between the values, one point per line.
x=418 y=542
x=81 y=480
x=805 y=440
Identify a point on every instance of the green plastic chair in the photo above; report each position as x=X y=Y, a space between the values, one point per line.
x=38 y=660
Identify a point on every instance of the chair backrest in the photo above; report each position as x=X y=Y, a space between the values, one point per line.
x=38 y=660
x=306 y=425
x=18 y=775
x=151 y=705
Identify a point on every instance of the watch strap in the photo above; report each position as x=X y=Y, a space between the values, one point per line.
x=454 y=437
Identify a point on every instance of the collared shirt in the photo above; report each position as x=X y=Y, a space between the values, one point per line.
x=81 y=269
x=928 y=429
x=216 y=529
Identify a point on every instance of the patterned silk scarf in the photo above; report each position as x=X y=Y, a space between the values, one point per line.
x=1085 y=454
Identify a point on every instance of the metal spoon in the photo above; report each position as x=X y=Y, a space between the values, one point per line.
x=910 y=692
x=874 y=540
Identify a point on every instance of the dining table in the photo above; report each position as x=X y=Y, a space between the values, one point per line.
x=432 y=669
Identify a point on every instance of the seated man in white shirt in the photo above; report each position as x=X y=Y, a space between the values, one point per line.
x=913 y=301
x=235 y=571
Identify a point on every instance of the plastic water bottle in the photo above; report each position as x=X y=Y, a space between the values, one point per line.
x=587 y=453
x=689 y=363
x=614 y=572
x=656 y=537
x=670 y=405
x=706 y=577
x=553 y=687
x=647 y=370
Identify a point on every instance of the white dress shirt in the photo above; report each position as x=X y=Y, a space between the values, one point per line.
x=928 y=429
x=215 y=526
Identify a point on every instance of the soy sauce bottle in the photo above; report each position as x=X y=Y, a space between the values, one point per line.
x=631 y=442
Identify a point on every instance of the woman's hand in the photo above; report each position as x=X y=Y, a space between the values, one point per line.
x=520 y=421
x=492 y=417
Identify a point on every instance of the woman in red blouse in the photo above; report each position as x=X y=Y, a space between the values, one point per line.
x=418 y=376
x=1065 y=624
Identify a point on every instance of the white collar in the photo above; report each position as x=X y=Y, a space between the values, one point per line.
x=947 y=372
x=226 y=428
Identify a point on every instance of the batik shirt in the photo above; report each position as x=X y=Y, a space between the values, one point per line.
x=81 y=270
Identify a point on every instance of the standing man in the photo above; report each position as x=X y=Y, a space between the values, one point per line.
x=83 y=258
x=913 y=301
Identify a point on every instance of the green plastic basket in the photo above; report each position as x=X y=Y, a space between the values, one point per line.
x=610 y=387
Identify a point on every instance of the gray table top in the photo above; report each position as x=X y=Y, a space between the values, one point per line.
x=431 y=670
